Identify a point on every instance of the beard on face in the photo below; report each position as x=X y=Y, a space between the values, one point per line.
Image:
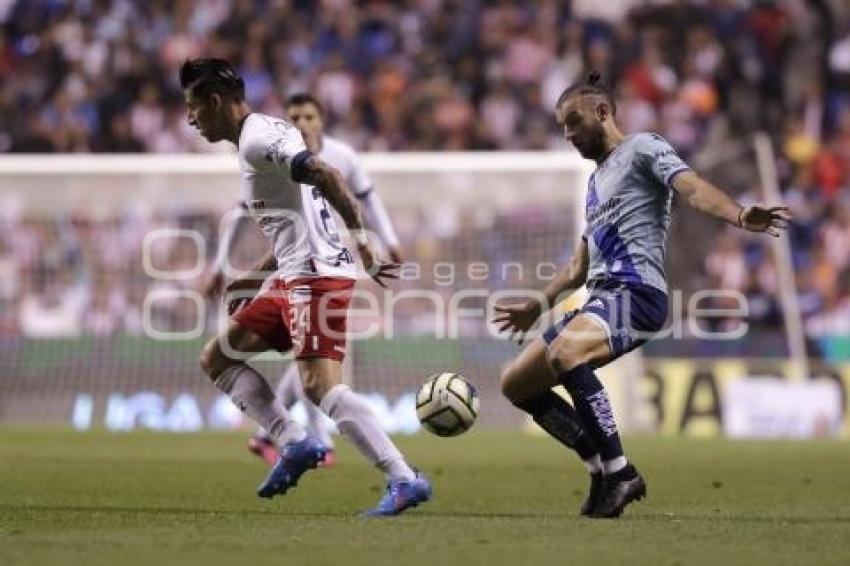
x=591 y=144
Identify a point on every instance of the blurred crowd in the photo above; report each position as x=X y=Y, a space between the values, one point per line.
x=71 y=274
x=100 y=76
x=820 y=260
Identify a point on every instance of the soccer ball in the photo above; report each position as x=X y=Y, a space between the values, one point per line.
x=447 y=404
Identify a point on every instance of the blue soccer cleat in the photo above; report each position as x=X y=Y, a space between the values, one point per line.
x=401 y=495
x=295 y=459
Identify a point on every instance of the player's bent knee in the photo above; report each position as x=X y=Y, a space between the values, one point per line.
x=314 y=386
x=509 y=383
x=207 y=357
x=562 y=355
x=517 y=386
x=506 y=383
x=212 y=359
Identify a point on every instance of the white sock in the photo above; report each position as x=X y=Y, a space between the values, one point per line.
x=251 y=393
x=356 y=421
x=594 y=464
x=615 y=465
x=289 y=391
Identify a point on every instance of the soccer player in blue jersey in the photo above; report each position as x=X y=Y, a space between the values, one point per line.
x=620 y=259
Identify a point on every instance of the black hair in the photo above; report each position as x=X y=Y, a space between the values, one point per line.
x=305 y=98
x=593 y=85
x=207 y=76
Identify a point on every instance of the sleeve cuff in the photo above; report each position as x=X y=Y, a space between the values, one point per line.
x=365 y=193
x=298 y=169
x=672 y=175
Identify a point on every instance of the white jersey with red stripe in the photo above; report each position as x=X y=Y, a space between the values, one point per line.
x=295 y=217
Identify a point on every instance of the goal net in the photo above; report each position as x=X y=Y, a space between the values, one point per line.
x=102 y=259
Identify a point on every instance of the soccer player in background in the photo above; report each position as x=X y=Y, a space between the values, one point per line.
x=307 y=113
x=621 y=260
x=302 y=305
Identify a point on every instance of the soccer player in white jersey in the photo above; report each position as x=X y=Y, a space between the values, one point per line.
x=621 y=260
x=300 y=299
x=307 y=113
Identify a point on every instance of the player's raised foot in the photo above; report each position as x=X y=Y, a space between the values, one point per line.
x=402 y=495
x=596 y=482
x=618 y=490
x=295 y=459
x=263 y=447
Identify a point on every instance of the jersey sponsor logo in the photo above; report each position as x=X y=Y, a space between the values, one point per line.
x=604 y=209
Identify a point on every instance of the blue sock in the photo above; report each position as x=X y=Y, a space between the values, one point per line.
x=559 y=419
x=594 y=409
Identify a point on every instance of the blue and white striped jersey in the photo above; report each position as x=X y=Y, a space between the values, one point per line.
x=628 y=211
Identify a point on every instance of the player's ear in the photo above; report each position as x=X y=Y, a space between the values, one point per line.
x=603 y=111
x=216 y=101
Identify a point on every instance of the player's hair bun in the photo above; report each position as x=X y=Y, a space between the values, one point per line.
x=594 y=78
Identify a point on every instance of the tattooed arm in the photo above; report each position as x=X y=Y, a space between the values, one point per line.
x=314 y=171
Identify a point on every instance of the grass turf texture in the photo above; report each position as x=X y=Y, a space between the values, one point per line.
x=501 y=498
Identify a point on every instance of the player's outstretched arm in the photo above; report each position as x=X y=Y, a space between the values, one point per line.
x=707 y=198
x=519 y=318
x=327 y=179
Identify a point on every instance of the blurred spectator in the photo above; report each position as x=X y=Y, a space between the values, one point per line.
x=119 y=137
x=726 y=265
x=54 y=311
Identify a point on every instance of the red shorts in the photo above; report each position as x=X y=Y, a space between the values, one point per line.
x=307 y=315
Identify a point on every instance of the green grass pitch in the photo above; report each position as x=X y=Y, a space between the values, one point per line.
x=501 y=498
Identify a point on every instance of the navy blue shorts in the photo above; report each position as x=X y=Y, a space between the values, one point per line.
x=631 y=314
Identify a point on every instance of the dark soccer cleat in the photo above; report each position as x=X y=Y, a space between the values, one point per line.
x=596 y=482
x=618 y=490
